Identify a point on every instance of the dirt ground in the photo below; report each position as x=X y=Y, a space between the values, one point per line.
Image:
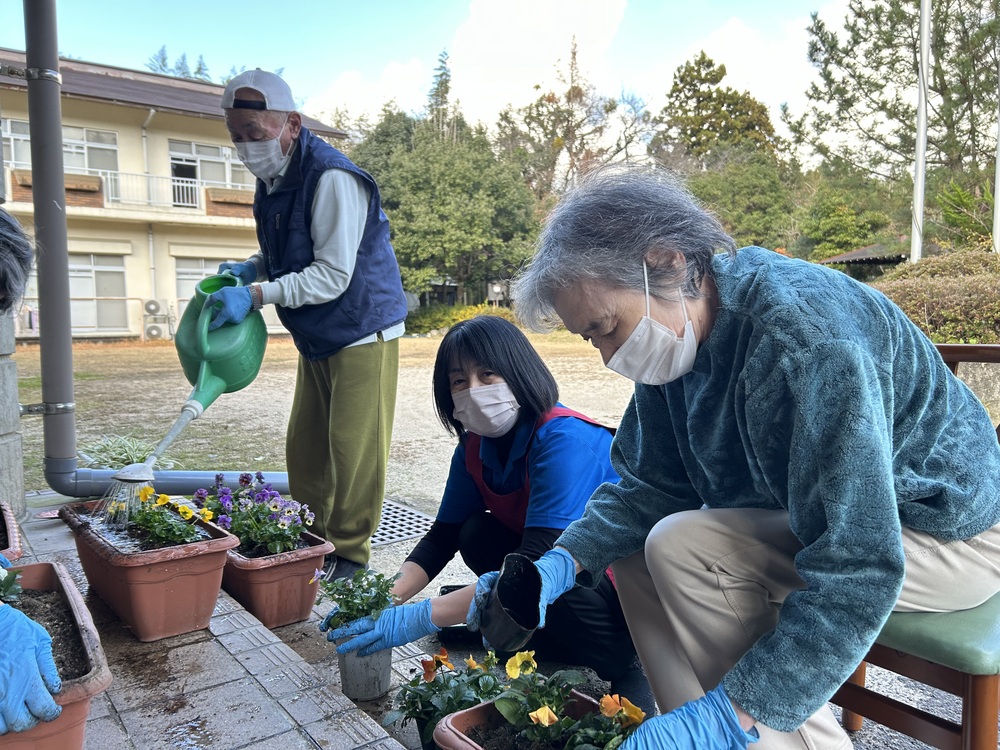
x=137 y=390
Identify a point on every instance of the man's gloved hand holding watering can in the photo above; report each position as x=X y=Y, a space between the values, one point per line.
x=236 y=301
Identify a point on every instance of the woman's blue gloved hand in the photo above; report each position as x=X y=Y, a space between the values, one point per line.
x=708 y=723
x=236 y=304
x=4 y=562
x=28 y=675
x=479 y=601
x=245 y=271
x=395 y=626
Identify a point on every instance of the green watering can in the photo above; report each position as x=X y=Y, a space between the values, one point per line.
x=214 y=362
x=224 y=360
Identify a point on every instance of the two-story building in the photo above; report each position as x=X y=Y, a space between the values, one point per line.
x=156 y=197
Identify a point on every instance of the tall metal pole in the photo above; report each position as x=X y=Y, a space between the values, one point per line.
x=49 y=199
x=996 y=173
x=920 y=159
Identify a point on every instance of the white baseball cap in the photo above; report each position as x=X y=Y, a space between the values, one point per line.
x=277 y=95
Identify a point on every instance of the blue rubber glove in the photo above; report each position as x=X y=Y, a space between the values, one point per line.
x=395 y=626
x=27 y=673
x=558 y=570
x=236 y=304
x=4 y=562
x=479 y=601
x=245 y=271
x=709 y=723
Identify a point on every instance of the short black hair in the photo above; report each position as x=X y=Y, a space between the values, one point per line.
x=16 y=257
x=498 y=344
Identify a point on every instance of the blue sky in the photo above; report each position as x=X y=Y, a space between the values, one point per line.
x=358 y=55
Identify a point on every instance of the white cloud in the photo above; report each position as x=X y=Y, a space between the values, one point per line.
x=406 y=83
x=504 y=49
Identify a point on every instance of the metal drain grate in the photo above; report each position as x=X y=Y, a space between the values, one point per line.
x=399 y=523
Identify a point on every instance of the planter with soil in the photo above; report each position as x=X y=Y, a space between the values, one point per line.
x=277 y=589
x=51 y=599
x=157 y=593
x=483 y=727
x=10 y=534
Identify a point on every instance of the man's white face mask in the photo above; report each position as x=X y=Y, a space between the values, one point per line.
x=264 y=158
x=653 y=354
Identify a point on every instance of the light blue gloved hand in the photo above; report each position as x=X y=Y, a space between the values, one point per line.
x=558 y=570
x=479 y=601
x=708 y=723
x=395 y=626
x=245 y=271
x=4 y=562
x=236 y=305
x=28 y=674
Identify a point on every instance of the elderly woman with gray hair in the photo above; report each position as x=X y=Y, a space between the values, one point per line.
x=796 y=463
x=28 y=674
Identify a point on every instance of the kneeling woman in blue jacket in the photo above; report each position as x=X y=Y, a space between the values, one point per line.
x=523 y=470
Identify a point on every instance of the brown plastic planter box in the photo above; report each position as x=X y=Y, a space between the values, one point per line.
x=276 y=589
x=67 y=730
x=13 y=550
x=452 y=732
x=157 y=593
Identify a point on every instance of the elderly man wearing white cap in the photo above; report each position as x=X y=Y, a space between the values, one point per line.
x=326 y=263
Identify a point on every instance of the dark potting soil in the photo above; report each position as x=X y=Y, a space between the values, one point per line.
x=50 y=610
x=4 y=542
x=505 y=737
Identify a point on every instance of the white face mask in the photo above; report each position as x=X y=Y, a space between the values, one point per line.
x=489 y=410
x=264 y=158
x=652 y=354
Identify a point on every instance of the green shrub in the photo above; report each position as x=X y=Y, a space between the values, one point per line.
x=442 y=317
x=954 y=298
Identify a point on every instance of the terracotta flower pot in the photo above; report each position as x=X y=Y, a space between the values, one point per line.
x=275 y=589
x=65 y=732
x=157 y=593
x=13 y=550
x=365 y=678
x=452 y=732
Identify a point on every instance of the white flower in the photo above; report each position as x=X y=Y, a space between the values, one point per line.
x=3 y=573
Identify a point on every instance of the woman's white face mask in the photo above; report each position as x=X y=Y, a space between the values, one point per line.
x=487 y=410
x=264 y=158
x=653 y=354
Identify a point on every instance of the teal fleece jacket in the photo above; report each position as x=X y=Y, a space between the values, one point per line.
x=815 y=394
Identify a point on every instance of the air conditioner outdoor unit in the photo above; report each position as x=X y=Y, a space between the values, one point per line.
x=154 y=331
x=156 y=307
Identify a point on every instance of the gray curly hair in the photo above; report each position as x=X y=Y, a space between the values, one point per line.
x=16 y=257
x=605 y=228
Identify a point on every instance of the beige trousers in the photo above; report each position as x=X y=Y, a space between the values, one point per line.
x=711 y=582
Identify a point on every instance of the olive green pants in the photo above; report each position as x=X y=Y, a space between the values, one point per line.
x=337 y=447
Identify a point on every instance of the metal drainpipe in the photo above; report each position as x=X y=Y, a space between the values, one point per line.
x=55 y=324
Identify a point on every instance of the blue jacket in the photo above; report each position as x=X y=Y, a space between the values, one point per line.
x=373 y=300
x=815 y=394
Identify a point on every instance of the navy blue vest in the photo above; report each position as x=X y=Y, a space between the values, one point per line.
x=373 y=300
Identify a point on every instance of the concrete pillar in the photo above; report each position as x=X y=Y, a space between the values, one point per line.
x=11 y=456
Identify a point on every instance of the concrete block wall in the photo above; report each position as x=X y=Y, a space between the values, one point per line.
x=11 y=455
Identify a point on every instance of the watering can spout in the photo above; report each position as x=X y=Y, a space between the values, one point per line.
x=207 y=388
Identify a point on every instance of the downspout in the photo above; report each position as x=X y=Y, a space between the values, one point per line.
x=58 y=409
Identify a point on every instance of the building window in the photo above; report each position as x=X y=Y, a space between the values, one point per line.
x=215 y=166
x=97 y=293
x=85 y=150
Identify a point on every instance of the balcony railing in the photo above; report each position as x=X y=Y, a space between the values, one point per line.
x=128 y=190
x=125 y=189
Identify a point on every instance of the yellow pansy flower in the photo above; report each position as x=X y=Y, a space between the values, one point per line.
x=520 y=663
x=543 y=716
x=206 y=514
x=185 y=512
x=610 y=705
x=472 y=663
x=145 y=493
x=633 y=714
x=162 y=499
